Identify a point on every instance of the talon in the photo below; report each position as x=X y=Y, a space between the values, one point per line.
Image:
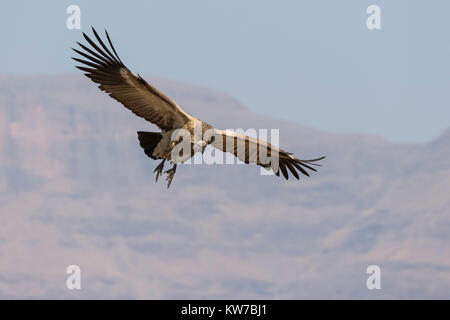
x=159 y=170
x=170 y=174
x=158 y=174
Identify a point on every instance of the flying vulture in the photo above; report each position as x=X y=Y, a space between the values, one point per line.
x=103 y=66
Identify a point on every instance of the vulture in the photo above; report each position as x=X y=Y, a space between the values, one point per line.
x=103 y=66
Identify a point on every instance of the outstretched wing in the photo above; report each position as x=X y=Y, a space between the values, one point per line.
x=105 y=68
x=262 y=153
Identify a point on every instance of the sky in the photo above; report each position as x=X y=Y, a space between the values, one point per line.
x=311 y=62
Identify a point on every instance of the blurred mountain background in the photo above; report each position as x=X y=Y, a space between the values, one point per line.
x=76 y=188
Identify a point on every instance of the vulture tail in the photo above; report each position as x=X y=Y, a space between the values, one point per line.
x=149 y=141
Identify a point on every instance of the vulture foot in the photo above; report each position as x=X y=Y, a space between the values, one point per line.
x=159 y=170
x=170 y=175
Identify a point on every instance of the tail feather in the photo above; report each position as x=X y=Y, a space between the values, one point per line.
x=149 y=141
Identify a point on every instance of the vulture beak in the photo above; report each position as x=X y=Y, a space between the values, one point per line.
x=200 y=146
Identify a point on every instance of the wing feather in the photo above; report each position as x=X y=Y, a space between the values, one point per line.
x=262 y=153
x=106 y=69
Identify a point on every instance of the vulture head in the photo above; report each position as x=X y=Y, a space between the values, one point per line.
x=200 y=146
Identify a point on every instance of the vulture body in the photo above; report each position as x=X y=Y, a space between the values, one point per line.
x=104 y=67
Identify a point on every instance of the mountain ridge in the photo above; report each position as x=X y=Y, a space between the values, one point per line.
x=75 y=187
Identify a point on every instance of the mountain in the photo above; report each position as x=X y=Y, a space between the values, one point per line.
x=76 y=188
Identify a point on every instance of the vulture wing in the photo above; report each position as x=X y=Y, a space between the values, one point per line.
x=262 y=153
x=105 y=68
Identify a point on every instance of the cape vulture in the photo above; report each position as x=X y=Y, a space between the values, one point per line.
x=103 y=66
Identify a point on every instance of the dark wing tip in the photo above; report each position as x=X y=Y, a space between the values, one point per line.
x=290 y=164
x=283 y=170
x=112 y=47
x=292 y=169
x=314 y=160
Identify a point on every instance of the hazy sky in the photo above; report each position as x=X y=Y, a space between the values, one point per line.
x=312 y=62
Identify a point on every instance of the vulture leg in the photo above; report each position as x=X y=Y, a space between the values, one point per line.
x=159 y=169
x=170 y=174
